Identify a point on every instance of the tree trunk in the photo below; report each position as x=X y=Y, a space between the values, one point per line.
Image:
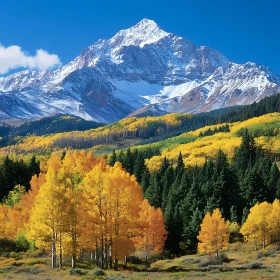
x=74 y=261
x=60 y=251
x=53 y=251
x=102 y=252
x=82 y=254
x=116 y=262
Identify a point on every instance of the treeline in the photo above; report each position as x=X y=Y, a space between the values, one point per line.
x=147 y=130
x=209 y=132
x=5 y=129
x=16 y=172
x=55 y=124
x=48 y=125
x=267 y=105
x=186 y=194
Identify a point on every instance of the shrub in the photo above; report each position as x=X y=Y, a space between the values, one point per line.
x=77 y=271
x=214 y=261
x=208 y=261
x=115 y=277
x=253 y=265
x=223 y=258
x=35 y=253
x=22 y=243
x=30 y=270
x=99 y=272
x=7 y=245
x=134 y=260
x=85 y=265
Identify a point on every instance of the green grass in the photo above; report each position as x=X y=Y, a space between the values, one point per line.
x=185 y=267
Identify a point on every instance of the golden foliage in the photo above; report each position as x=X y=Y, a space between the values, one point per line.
x=214 y=233
x=262 y=225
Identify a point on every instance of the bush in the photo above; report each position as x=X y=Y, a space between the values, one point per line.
x=22 y=243
x=208 y=261
x=35 y=254
x=7 y=246
x=99 y=272
x=253 y=265
x=223 y=258
x=77 y=271
x=115 y=277
x=134 y=260
x=30 y=270
x=85 y=265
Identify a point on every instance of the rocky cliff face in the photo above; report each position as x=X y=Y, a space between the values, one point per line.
x=140 y=67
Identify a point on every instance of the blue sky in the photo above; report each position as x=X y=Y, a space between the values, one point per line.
x=242 y=30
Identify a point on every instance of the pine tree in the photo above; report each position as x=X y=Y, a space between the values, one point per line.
x=180 y=166
x=191 y=231
x=274 y=177
x=154 y=191
x=165 y=164
x=167 y=182
x=245 y=155
x=139 y=167
x=233 y=214
x=113 y=158
x=128 y=163
x=245 y=214
x=145 y=183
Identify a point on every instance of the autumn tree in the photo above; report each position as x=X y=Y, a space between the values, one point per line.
x=153 y=233
x=256 y=228
x=48 y=214
x=274 y=221
x=214 y=233
x=112 y=199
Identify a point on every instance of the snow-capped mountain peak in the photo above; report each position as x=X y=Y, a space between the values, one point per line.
x=140 y=68
x=144 y=32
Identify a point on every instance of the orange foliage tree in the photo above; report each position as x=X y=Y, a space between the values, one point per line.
x=214 y=233
x=152 y=228
x=85 y=205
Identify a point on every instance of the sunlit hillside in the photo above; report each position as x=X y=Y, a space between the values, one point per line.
x=196 y=149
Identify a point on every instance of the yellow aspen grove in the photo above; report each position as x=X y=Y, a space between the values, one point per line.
x=71 y=180
x=153 y=233
x=274 y=221
x=47 y=220
x=113 y=198
x=256 y=229
x=214 y=233
x=4 y=220
x=86 y=206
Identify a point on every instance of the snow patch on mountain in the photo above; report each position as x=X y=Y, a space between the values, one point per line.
x=140 y=68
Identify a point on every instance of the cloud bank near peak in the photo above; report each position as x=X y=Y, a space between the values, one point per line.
x=14 y=57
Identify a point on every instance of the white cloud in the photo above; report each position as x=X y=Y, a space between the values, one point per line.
x=13 y=57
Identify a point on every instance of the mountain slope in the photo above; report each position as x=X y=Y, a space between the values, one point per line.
x=136 y=68
x=160 y=132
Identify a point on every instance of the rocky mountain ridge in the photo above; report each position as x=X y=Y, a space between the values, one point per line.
x=138 y=68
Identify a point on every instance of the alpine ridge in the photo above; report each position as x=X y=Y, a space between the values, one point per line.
x=140 y=68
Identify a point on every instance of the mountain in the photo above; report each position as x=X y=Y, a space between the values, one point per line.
x=141 y=68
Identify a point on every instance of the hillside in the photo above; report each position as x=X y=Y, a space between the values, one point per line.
x=195 y=148
x=44 y=126
x=160 y=132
